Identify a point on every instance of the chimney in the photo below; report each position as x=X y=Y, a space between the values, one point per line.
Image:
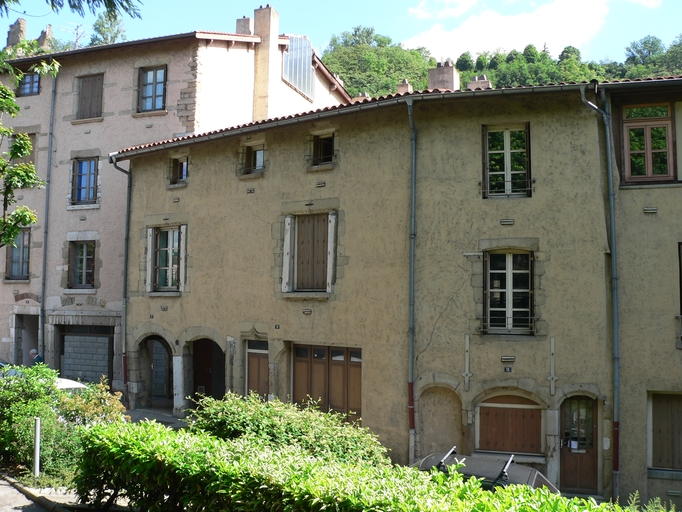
x=45 y=37
x=17 y=32
x=444 y=76
x=245 y=26
x=405 y=87
x=268 y=62
x=479 y=82
x=360 y=97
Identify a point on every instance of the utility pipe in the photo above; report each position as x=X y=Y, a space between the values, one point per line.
x=43 y=283
x=124 y=322
x=606 y=116
x=413 y=188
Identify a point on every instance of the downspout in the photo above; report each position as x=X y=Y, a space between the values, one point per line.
x=606 y=116
x=43 y=282
x=124 y=321
x=413 y=188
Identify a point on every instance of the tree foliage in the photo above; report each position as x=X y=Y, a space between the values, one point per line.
x=108 y=29
x=372 y=63
x=130 y=7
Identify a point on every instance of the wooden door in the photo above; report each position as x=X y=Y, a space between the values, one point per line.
x=202 y=365
x=579 y=445
x=258 y=375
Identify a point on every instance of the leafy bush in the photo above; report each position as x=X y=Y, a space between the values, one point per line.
x=323 y=435
x=92 y=405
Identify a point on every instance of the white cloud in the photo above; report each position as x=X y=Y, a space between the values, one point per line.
x=651 y=4
x=557 y=24
x=441 y=9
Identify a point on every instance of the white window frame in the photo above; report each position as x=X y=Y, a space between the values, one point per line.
x=150 y=283
x=509 y=290
x=507 y=151
x=289 y=254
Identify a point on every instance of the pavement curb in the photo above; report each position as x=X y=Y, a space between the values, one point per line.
x=48 y=505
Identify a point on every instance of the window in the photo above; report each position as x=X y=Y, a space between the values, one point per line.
x=90 y=96
x=310 y=247
x=29 y=85
x=332 y=376
x=152 y=87
x=18 y=257
x=30 y=158
x=252 y=159
x=666 y=431
x=323 y=149
x=647 y=135
x=179 y=170
x=84 y=188
x=82 y=261
x=510 y=424
x=166 y=260
x=506 y=167
x=508 y=290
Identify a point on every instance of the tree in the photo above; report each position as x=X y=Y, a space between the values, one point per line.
x=647 y=51
x=78 y=6
x=465 y=62
x=570 y=52
x=108 y=29
x=372 y=63
x=673 y=57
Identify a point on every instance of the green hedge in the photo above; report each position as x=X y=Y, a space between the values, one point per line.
x=159 y=469
x=274 y=423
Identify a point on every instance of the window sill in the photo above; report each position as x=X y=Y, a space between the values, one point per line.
x=80 y=291
x=664 y=474
x=88 y=120
x=150 y=113
x=321 y=168
x=650 y=184
x=164 y=294
x=179 y=184
x=306 y=295
x=9 y=280
x=251 y=175
x=503 y=457
x=501 y=336
x=93 y=206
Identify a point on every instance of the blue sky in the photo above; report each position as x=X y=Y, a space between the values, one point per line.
x=601 y=29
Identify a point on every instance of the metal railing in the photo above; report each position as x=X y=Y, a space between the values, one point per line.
x=508 y=325
x=506 y=188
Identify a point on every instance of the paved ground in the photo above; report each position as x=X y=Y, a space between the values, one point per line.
x=12 y=500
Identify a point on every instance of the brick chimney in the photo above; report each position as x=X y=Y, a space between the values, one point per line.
x=405 y=87
x=444 y=76
x=245 y=26
x=45 y=37
x=479 y=82
x=268 y=61
x=17 y=32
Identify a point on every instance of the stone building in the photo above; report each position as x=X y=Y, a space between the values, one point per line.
x=63 y=283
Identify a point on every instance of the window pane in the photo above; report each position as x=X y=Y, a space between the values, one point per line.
x=498 y=261
x=636 y=139
x=263 y=345
x=497 y=319
x=160 y=75
x=637 y=165
x=521 y=281
x=163 y=239
x=660 y=163
x=642 y=112
x=517 y=140
x=520 y=319
x=163 y=277
x=521 y=300
x=521 y=261
x=659 y=138
x=518 y=162
x=496 y=162
x=355 y=356
x=498 y=300
x=302 y=352
x=163 y=258
x=498 y=281
x=519 y=183
x=495 y=141
x=319 y=353
x=338 y=355
x=496 y=184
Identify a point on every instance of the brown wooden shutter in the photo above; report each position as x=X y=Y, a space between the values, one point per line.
x=355 y=384
x=667 y=431
x=484 y=182
x=311 y=252
x=319 y=377
x=258 y=373
x=529 y=181
x=301 y=374
x=90 y=101
x=337 y=379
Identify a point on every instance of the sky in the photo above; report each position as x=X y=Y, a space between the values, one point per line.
x=600 y=29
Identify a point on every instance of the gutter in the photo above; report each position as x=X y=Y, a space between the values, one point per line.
x=606 y=116
x=43 y=281
x=413 y=235
x=124 y=307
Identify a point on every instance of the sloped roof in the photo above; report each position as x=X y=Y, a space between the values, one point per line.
x=378 y=102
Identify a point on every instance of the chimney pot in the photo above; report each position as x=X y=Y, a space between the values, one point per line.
x=405 y=87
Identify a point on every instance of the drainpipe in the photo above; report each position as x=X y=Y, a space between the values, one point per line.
x=124 y=322
x=413 y=188
x=43 y=282
x=606 y=116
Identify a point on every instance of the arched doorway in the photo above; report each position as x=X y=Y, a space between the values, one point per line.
x=578 y=432
x=156 y=366
x=208 y=368
x=440 y=411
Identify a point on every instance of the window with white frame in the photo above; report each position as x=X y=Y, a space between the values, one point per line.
x=82 y=265
x=309 y=252
x=647 y=133
x=166 y=258
x=509 y=424
x=508 y=292
x=84 y=182
x=665 y=434
x=18 y=257
x=507 y=162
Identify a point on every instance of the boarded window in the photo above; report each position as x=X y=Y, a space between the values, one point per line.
x=666 y=431
x=311 y=251
x=332 y=376
x=510 y=424
x=90 y=96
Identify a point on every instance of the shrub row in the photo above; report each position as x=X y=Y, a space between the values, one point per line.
x=274 y=423
x=159 y=469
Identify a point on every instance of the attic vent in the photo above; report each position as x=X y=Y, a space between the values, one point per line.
x=297 y=68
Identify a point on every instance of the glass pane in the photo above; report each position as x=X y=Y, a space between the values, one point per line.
x=519 y=183
x=148 y=77
x=147 y=91
x=637 y=165
x=302 y=352
x=498 y=300
x=496 y=184
x=176 y=257
x=496 y=162
x=147 y=104
x=263 y=345
x=521 y=281
x=521 y=261
x=518 y=162
x=498 y=281
x=659 y=139
x=160 y=75
x=258 y=159
x=520 y=319
x=163 y=258
x=497 y=319
x=163 y=277
x=338 y=355
x=319 y=353
x=660 y=163
x=163 y=239
x=355 y=356
x=176 y=238
x=636 y=139
x=517 y=140
x=498 y=261
x=495 y=141
x=521 y=300
x=159 y=89
x=641 y=112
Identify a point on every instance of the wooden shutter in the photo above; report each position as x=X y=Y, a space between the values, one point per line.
x=338 y=383
x=510 y=429
x=182 y=271
x=529 y=180
x=484 y=182
x=90 y=100
x=354 y=384
x=301 y=374
x=258 y=373
x=319 y=377
x=151 y=261
x=287 y=255
x=667 y=431
x=311 y=252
